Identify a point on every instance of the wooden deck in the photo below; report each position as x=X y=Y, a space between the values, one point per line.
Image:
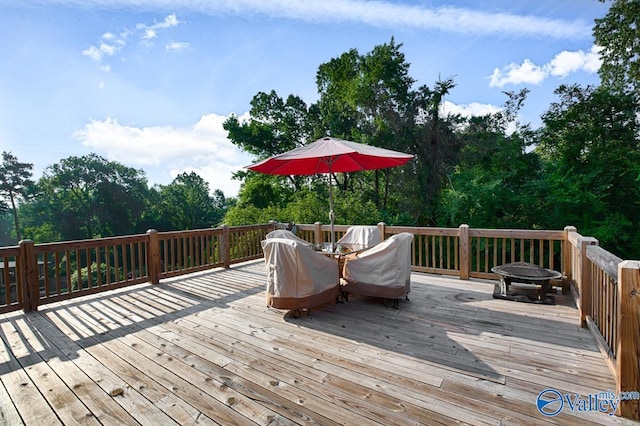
x=204 y=349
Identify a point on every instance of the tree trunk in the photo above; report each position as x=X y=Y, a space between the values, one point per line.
x=15 y=216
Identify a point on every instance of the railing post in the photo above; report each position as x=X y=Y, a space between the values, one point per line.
x=317 y=232
x=29 y=271
x=585 y=284
x=465 y=255
x=567 y=264
x=381 y=228
x=153 y=256
x=627 y=359
x=225 y=247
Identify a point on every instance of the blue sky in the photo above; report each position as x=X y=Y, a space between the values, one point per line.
x=148 y=83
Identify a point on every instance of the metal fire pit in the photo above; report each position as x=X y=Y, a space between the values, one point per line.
x=526 y=273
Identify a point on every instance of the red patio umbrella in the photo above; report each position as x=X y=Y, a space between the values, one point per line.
x=330 y=155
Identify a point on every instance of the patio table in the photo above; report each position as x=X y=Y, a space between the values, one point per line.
x=339 y=251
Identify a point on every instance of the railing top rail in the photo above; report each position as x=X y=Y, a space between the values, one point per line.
x=252 y=227
x=190 y=232
x=80 y=244
x=423 y=230
x=326 y=226
x=517 y=233
x=473 y=232
x=604 y=260
x=9 y=251
x=574 y=238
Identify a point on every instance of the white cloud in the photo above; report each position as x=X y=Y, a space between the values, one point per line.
x=110 y=44
x=475 y=109
x=93 y=52
x=149 y=34
x=203 y=148
x=469 y=110
x=169 y=21
x=379 y=13
x=96 y=53
x=108 y=49
x=177 y=46
x=526 y=72
x=563 y=64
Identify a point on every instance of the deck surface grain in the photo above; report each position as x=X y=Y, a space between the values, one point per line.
x=204 y=349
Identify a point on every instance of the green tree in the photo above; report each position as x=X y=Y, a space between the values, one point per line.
x=497 y=181
x=436 y=145
x=186 y=203
x=89 y=197
x=6 y=224
x=15 y=178
x=591 y=149
x=368 y=98
x=618 y=34
x=275 y=125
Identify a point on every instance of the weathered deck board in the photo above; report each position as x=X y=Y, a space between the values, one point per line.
x=204 y=349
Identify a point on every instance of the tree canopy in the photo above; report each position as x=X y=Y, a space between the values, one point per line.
x=591 y=151
x=186 y=203
x=618 y=34
x=91 y=197
x=580 y=168
x=15 y=180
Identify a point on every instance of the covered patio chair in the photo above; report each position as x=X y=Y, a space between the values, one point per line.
x=361 y=236
x=297 y=276
x=381 y=271
x=284 y=233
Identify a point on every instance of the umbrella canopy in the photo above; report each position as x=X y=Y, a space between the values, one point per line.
x=330 y=155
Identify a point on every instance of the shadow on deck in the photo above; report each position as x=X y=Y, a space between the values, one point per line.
x=204 y=348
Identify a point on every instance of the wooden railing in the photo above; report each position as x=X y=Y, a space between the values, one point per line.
x=11 y=280
x=465 y=252
x=36 y=274
x=607 y=293
x=606 y=288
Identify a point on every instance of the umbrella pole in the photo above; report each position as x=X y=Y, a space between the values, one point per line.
x=332 y=215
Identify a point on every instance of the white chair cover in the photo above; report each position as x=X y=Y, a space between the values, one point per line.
x=381 y=271
x=297 y=276
x=364 y=236
x=283 y=233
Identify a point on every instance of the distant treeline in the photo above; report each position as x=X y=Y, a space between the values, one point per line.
x=90 y=197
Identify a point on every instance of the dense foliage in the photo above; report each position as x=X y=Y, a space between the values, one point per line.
x=580 y=168
x=91 y=197
x=15 y=179
x=618 y=35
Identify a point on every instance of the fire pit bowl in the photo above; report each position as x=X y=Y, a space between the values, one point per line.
x=526 y=273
